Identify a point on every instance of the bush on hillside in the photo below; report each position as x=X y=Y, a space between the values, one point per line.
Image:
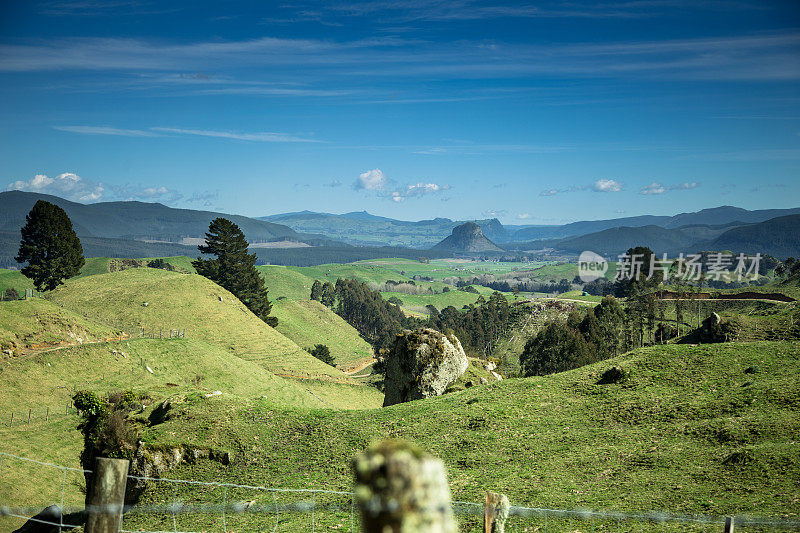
x=106 y=425
x=557 y=348
x=11 y=294
x=323 y=353
x=161 y=264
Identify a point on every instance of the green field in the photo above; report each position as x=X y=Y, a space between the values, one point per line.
x=686 y=422
x=445 y=268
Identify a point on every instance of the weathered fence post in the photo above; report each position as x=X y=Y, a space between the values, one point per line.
x=728 y=525
x=401 y=488
x=495 y=513
x=105 y=497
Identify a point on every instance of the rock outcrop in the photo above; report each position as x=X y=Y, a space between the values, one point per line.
x=422 y=364
x=467 y=237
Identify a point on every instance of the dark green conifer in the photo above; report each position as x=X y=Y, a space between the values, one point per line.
x=234 y=268
x=49 y=246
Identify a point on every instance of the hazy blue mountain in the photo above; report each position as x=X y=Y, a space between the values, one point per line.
x=706 y=217
x=726 y=214
x=140 y=220
x=365 y=229
x=778 y=236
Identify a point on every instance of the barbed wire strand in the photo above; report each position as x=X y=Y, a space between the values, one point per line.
x=45 y=463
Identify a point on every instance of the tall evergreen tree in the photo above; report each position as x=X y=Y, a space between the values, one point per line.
x=234 y=268
x=50 y=247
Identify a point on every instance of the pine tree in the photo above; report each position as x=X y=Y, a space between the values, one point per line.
x=50 y=247
x=234 y=268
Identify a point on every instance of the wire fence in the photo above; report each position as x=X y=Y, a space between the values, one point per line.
x=184 y=506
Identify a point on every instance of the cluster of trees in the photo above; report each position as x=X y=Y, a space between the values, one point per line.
x=788 y=269
x=233 y=268
x=479 y=327
x=528 y=286
x=605 y=331
x=377 y=320
x=324 y=293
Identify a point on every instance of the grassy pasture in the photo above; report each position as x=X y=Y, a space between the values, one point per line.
x=688 y=432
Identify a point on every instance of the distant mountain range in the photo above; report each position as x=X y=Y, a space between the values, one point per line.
x=142 y=221
x=362 y=228
x=684 y=232
x=138 y=229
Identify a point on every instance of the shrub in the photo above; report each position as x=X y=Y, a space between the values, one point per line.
x=323 y=353
x=395 y=300
x=11 y=294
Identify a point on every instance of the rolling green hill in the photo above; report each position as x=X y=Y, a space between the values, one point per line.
x=286 y=282
x=190 y=302
x=687 y=421
x=308 y=322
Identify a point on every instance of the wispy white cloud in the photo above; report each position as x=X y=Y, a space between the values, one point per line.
x=524 y=216
x=106 y=130
x=741 y=57
x=657 y=188
x=333 y=183
x=256 y=137
x=160 y=131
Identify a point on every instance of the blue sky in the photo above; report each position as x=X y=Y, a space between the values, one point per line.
x=537 y=112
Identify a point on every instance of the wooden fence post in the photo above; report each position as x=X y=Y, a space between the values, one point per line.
x=401 y=488
x=495 y=513
x=105 y=496
x=728 y=525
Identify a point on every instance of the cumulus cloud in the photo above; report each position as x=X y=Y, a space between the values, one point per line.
x=657 y=188
x=67 y=185
x=606 y=185
x=372 y=180
x=375 y=180
x=524 y=216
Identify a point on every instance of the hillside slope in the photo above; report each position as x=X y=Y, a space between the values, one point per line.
x=779 y=237
x=308 y=322
x=687 y=421
x=192 y=303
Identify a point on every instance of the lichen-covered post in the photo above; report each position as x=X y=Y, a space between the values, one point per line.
x=105 y=496
x=496 y=513
x=401 y=489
